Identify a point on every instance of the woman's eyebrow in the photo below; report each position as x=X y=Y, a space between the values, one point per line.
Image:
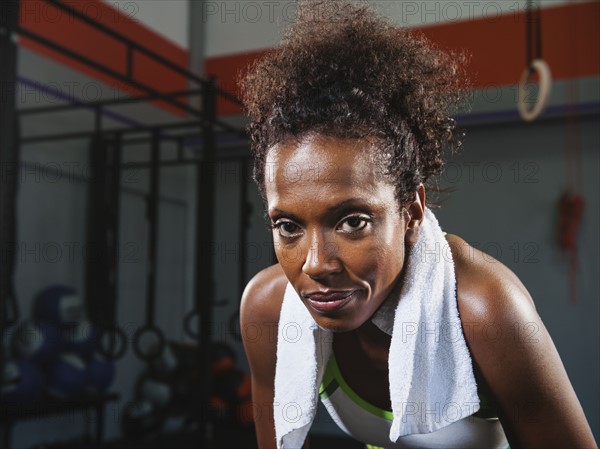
x=276 y=213
x=350 y=203
x=341 y=206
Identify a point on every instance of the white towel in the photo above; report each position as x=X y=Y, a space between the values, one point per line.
x=430 y=370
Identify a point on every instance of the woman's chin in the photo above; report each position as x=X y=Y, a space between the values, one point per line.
x=337 y=325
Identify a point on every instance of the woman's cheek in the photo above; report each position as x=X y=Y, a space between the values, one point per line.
x=287 y=254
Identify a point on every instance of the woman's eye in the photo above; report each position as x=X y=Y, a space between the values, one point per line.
x=287 y=229
x=354 y=223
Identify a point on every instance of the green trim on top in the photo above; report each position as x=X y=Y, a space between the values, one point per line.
x=329 y=390
x=328 y=377
x=332 y=373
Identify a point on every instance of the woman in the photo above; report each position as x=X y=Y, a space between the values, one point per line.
x=350 y=118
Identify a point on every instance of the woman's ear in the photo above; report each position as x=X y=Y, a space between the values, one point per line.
x=414 y=213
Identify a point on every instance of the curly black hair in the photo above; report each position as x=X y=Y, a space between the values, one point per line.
x=343 y=71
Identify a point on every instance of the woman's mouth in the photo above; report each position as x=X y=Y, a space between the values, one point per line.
x=330 y=301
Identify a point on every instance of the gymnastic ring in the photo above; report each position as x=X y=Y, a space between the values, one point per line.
x=541 y=67
x=187 y=323
x=114 y=351
x=156 y=350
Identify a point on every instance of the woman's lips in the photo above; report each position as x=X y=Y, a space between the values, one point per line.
x=329 y=301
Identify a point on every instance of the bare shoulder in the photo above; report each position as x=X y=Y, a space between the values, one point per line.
x=495 y=308
x=259 y=317
x=263 y=295
x=513 y=355
x=486 y=288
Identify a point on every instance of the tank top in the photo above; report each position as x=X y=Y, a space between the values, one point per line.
x=371 y=425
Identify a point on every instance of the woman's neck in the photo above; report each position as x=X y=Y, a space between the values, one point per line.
x=373 y=342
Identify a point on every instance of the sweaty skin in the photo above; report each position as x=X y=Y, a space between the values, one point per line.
x=338 y=228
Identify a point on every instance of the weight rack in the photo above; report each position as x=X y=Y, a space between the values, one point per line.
x=203 y=125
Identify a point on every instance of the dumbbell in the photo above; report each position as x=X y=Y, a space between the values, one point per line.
x=39 y=342
x=59 y=305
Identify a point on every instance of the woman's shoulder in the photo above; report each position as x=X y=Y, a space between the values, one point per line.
x=260 y=308
x=513 y=355
x=259 y=318
x=263 y=296
x=497 y=313
x=487 y=290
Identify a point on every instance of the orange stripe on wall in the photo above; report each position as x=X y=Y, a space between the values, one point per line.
x=63 y=29
x=227 y=70
x=570 y=45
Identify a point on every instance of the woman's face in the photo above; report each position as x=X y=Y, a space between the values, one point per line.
x=338 y=232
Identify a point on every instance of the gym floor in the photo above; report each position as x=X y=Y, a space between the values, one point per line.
x=224 y=439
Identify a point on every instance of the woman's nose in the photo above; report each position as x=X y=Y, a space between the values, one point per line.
x=321 y=258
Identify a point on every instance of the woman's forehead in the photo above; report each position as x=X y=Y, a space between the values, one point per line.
x=314 y=150
x=321 y=166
